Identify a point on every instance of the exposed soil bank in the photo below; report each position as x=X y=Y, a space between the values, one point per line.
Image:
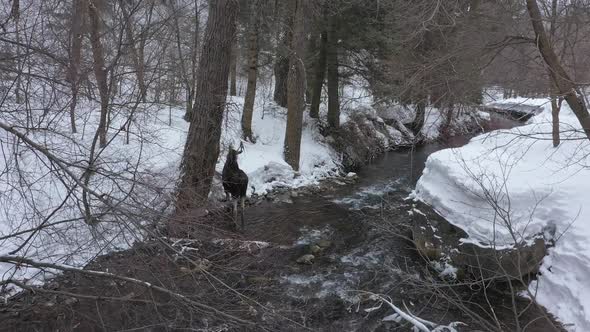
x=365 y=136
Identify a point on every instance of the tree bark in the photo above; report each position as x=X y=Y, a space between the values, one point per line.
x=420 y=116
x=233 y=70
x=76 y=34
x=194 y=55
x=565 y=86
x=295 y=86
x=281 y=67
x=310 y=63
x=100 y=71
x=202 y=146
x=332 y=64
x=248 y=111
x=555 y=104
x=320 y=73
x=15 y=13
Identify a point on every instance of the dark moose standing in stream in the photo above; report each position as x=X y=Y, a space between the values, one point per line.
x=235 y=182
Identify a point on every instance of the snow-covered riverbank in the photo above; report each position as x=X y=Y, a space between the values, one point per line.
x=507 y=185
x=45 y=210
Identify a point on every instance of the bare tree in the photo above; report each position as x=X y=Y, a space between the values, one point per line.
x=563 y=82
x=76 y=35
x=295 y=86
x=136 y=52
x=100 y=70
x=189 y=81
x=320 y=73
x=281 y=66
x=15 y=14
x=555 y=99
x=202 y=146
x=332 y=64
x=233 y=69
x=253 y=50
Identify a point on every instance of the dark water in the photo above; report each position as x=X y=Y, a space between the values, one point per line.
x=366 y=225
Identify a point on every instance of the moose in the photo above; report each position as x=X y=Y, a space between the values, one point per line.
x=235 y=182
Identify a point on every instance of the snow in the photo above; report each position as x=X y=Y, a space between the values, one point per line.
x=418 y=324
x=434 y=119
x=515 y=180
x=263 y=161
x=145 y=170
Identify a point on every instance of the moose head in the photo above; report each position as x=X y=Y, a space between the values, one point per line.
x=232 y=154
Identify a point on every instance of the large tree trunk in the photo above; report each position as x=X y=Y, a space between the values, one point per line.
x=320 y=73
x=281 y=67
x=100 y=71
x=233 y=70
x=194 y=55
x=565 y=86
x=295 y=86
x=281 y=72
x=332 y=63
x=248 y=112
x=202 y=146
x=555 y=99
x=420 y=116
x=310 y=63
x=76 y=34
x=135 y=53
x=555 y=109
x=15 y=14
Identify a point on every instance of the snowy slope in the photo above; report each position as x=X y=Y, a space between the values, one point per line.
x=516 y=178
x=145 y=170
x=263 y=161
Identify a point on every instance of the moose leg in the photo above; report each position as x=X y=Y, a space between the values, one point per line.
x=235 y=212
x=242 y=200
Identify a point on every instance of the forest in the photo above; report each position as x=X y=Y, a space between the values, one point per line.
x=299 y=165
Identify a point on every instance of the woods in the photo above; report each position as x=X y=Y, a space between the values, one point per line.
x=202 y=145
x=117 y=118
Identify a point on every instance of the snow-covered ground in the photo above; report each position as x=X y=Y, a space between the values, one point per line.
x=263 y=161
x=508 y=185
x=45 y=209
x=34 y=192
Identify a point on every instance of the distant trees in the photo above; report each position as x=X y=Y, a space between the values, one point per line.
x=202 y=146
x=136 y=50
x=186 y=73
x=418 y=54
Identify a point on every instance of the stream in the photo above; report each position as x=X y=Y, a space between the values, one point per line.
x=311 y=260
x=358 y=234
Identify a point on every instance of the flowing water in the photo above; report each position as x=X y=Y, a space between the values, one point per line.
x=358 y=233
x=365 y=226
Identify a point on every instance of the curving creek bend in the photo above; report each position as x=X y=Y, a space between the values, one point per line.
x=358 y=233
x=366 y=224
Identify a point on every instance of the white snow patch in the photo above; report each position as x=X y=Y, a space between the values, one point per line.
x=536 y=187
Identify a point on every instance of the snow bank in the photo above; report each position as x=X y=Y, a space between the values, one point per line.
x=464 y=119
x=515 y=180
x=264 y=162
